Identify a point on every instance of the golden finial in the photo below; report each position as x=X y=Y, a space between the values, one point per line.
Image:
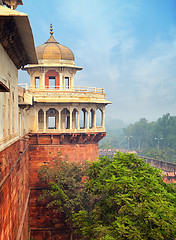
x=51 y=29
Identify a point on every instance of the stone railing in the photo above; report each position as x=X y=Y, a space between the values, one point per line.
x=81 y=93
x=52 y=89
x=83 y=130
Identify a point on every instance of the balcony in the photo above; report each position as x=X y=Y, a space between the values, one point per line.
x=66 y=94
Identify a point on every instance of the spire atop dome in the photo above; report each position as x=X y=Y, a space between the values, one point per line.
x=51 y=39
x=51 y=29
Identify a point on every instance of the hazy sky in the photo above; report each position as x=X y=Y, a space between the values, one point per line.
x=126 y=46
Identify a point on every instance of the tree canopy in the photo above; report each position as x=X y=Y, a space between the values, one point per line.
x=113 y=198
x=131 y=201
x=64 y=188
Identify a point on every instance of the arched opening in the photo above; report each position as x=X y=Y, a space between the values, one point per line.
x=83 y=118
x=75 y=119
x=91 y=118
x=65 y=119
x=52 y=118
x=99 y=118
x=40 y=119
x=52 y=80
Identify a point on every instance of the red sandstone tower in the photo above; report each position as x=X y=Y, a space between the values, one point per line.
x=62 y=118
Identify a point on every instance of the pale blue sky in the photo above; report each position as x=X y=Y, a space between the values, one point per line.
x=126 y=46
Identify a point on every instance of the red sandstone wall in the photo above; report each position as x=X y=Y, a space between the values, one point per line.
x=40 y=154
x=44 y=223
x=14 y=164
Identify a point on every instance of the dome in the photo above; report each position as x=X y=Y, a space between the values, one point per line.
x=52 y=50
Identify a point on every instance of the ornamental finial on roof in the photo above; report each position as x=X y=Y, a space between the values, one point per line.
x=51 y=29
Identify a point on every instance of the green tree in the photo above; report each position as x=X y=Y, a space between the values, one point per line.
x=64 y=188
x=131 y=201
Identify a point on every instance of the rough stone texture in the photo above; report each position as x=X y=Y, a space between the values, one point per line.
x=14 y=165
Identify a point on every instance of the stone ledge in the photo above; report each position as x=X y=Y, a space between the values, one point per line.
x=65 y=138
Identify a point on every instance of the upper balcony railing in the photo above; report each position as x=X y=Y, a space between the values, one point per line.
x=62 y=88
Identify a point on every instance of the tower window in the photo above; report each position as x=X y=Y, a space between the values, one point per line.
x=67 y=82
x=37 y=82
x=52 y=82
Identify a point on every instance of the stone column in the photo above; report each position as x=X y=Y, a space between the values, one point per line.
x=94 y=119
x=59 y=119
x=84 y=126
x=61 y=84
x=44 y=118
x=71 y=83
x=37 y=120
x=71 y=118
x=88 y=112
x=42 y=80
x=32 y=82
x=78 y=120
x=103 y=119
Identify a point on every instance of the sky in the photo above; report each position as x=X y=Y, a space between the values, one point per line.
x=127 y=47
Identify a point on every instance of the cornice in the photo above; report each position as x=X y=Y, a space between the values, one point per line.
x=12 y=43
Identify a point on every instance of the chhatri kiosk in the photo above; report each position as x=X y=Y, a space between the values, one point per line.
x=60 y=110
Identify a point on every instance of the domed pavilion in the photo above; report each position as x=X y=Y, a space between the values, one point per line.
x=59 y=106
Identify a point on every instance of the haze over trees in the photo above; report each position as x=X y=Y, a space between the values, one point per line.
x=153 y=139
x=119 y=198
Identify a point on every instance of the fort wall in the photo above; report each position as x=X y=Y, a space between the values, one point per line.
x=44 y=222
x=14 y=191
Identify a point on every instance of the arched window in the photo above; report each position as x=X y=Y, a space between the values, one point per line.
x=65 y=119
x=52 y=117
x=52 y=79
x=99 y=118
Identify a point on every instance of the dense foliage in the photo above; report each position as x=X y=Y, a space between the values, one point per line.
x=144 y=137
x=64 y=188
x=131 y=201
x=123 y=198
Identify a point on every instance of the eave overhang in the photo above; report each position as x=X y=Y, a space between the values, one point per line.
x=52 y=65
x=71 y=100
x=16 y=37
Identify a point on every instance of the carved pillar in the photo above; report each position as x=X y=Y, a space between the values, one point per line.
x=37 y=120
x=103 y=119
x=44 y=118
x=94 y=119
x=59 y=119
x=42 y=80
x=88 y=119
x=71 y=83
x=32 y=82
x=71 y=118
x=78 y=121
x=84 y=126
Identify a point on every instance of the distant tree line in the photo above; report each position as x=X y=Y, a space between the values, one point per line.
x=153 y=139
